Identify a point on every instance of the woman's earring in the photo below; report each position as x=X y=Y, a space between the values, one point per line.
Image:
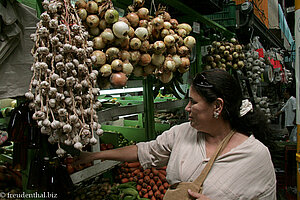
x=216 y=115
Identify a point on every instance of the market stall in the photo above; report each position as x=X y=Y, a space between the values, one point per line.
x=108 y=74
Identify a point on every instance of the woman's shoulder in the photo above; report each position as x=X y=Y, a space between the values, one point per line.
x=256 y=149
x=181 y=130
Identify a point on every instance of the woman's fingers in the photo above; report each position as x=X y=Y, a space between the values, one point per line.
x=197 y=196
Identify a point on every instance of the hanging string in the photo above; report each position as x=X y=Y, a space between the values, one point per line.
x=152 y=5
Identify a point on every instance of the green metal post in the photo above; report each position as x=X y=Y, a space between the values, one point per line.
x=149 y=108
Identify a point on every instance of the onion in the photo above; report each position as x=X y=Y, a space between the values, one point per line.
x=102 y=24
x=100 y=57
x=157 y=59
x=135 y=57
x=170 y=64
x=186 y=27
x=169 y=40
x=155 y=33
x=226 y=53
x=127 y=68
x=185 y=62
x=177 y=60
x=159 y=47
x=166 y=77
x=80 y=4
x=174 y=23
x=112 y=53
x=238 y=48
x=124 y=55
x=82 y=13
x=107 y=35
x=92 y=20
x=172 y=50
x=145 y=59
x=122 y=42
x=235 y=55
x=131 y=32
x=166 y=16
x=242 y=56
x=143 y=23
x=167 y=25
x=117 y=65
x=233 y=40
x=92 y=7
x=124 y=19
x=120 y=29
x=95 y=31
x=143 y=13
x=133 y=19
x=183 y=69
x=141 y=33
x=118 y=79
x=158 y=23
x=138 y=71
x=164 y=33
x=183 y=51
x=190 y=42
x=135 y=43
x=181 y=32
x=145 y=46
x=149 y=69
x=240 y=64
x=98 y=43
x=111 y=16
x=105 y=70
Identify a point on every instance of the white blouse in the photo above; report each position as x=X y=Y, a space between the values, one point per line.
x=245 y=172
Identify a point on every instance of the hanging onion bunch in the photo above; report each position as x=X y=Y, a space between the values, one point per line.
x=138 y=43
x=109 y=34
x=63 y=88
x=224 y=55
x=165 y=44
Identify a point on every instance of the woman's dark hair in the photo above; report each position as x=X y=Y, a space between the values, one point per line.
x=217 y=83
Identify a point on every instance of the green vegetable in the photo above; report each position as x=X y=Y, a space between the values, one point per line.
x=127 y=185
x=130 y=197
x=130 y=191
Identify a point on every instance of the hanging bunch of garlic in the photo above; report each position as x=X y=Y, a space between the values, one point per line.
x=137 y=43
x=224 y=55
x=255 y=66
x=63 y=88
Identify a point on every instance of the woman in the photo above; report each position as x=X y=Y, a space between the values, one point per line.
x=243 y=170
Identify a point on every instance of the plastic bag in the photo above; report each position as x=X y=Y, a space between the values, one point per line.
x=293 y=136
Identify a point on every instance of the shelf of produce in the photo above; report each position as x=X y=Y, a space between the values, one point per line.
x=113 y=113
x=93 y=171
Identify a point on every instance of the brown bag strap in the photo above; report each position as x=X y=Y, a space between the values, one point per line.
x=199 y=181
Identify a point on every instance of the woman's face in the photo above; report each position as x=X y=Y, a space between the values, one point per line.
x=200 y=112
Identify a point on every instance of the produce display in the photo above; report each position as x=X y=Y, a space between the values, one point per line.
x=99 y=188
x=171 y=118
x=137 y=43
x=63 y=88
x=10 y=179
x=224 y=55
x=151 y=183
x=102 y=189
x=122 y=141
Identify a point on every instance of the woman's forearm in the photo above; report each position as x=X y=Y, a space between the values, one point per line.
x=128 y=153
